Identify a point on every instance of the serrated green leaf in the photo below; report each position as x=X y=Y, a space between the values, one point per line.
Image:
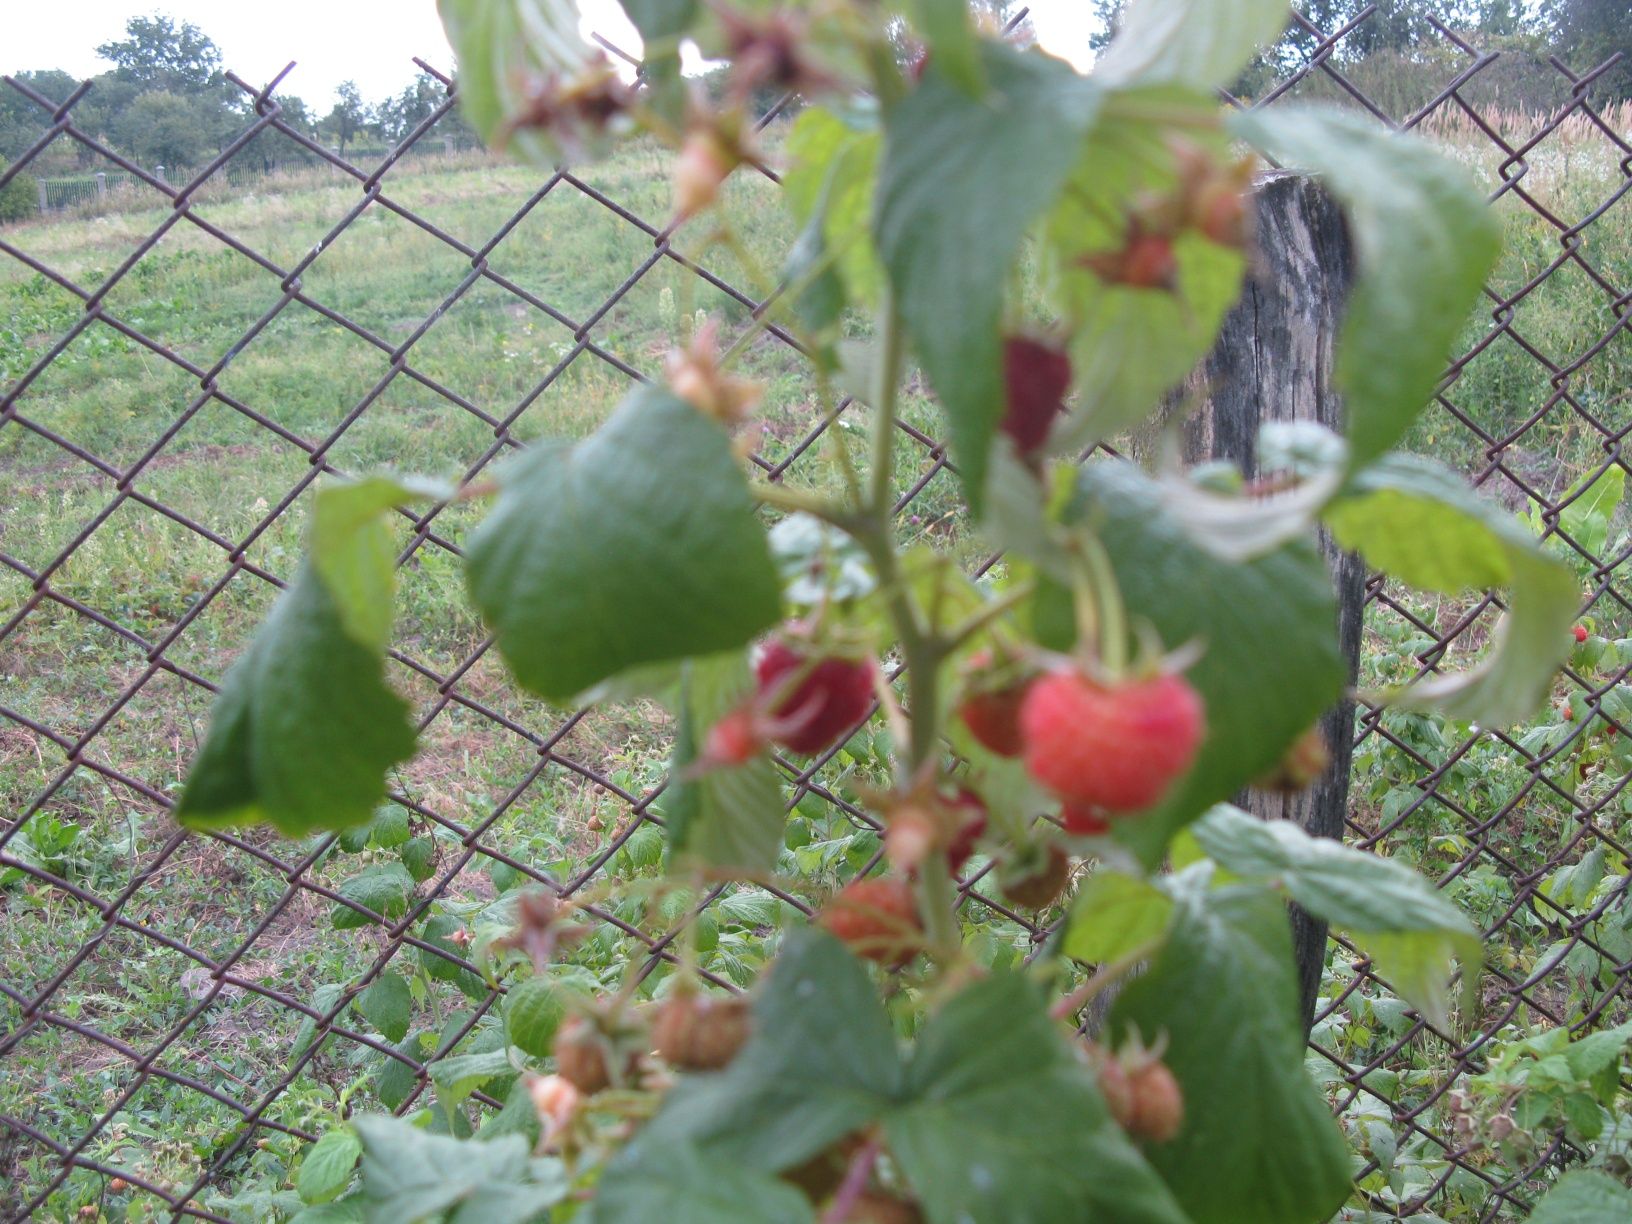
x=961 y=182
x=410 y=1176
x=325 y=1169
x=1419 y=522
x=1584 y=1196
x=395 y=1079
x=519 y=1116
x=679 y=1184
x=535 y=1007
x=1408 y=927
x=1170 y=329
x=505 y=48
x=384 y=889
x=831 y=178
x=952 y=40
x=1200 y=43
x=1426 y=242
x=323 y=999
x=437 y=932
x=1267 y=629
x=1596 y=1051
x=1000 y=1123
x=390 y=827
x=1258 y=1144
x=565 y=567
x=459 y=1076
x=1589 y=508
x=348 y=1211
x=730 y=818
x=1114 y=915
x=821 y=1056
x=419 y=858
x=305 y=727
x=388 y=1005
x=992 y=1119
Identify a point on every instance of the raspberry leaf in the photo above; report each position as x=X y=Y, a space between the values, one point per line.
x=1258 y=1142
x=1170 y=328
x=504 y=50
x=831 y=178
x=1269 y=665
x=388 y=1005
x=326 y=1168
x=681 y=1184
x=1406 y=925
x=635 y=546
x=305 y=727
x=1583 y=1194
x=409 y=1174
x=731 y=817
x=383 y=889
x=960 y=175
x=1420 y=523
x=820 y=1064
x=1426 y=243
x=1000 y=1121
x=1201 y=43
x=1114 y=916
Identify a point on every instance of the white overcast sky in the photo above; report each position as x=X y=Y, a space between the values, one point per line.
x=370 y=41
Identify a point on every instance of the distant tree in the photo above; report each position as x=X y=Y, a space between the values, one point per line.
x=272 y=149
x=18 y=198
x=400 y=115
x=157 y=53
x=1588 y=32
x=21 y=120
x=165 y=129
x=350 y=115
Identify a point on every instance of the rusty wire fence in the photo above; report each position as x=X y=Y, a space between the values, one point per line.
x=243 y=1033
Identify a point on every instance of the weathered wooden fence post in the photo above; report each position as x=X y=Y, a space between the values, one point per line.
x=101 y=185
x=1273 y=362
x=44 y=202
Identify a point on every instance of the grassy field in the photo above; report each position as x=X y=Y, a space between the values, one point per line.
x=161 y=442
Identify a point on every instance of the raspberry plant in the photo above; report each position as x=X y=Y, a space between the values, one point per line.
x=1054 y=252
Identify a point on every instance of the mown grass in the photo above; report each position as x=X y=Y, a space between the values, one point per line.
x=229 y=476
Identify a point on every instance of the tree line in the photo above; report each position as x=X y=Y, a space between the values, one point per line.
x=165 y=101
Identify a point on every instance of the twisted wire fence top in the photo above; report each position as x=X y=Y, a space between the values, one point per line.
x=137 y=444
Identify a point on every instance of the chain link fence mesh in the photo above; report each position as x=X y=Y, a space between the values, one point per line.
x=242 y=1033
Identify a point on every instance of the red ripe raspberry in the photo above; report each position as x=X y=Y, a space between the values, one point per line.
x=1084 y=819
x=1580 y=633
x=1036 y=377
x=735 y=740
x=877 y=918
x=973 y=810
x=1116 y=746
x=993 y=718
x=812 y=713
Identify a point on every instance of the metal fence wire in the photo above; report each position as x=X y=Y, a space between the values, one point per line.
x=239 y=1031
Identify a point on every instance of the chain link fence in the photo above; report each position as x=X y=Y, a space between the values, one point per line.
x=178 y=1011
